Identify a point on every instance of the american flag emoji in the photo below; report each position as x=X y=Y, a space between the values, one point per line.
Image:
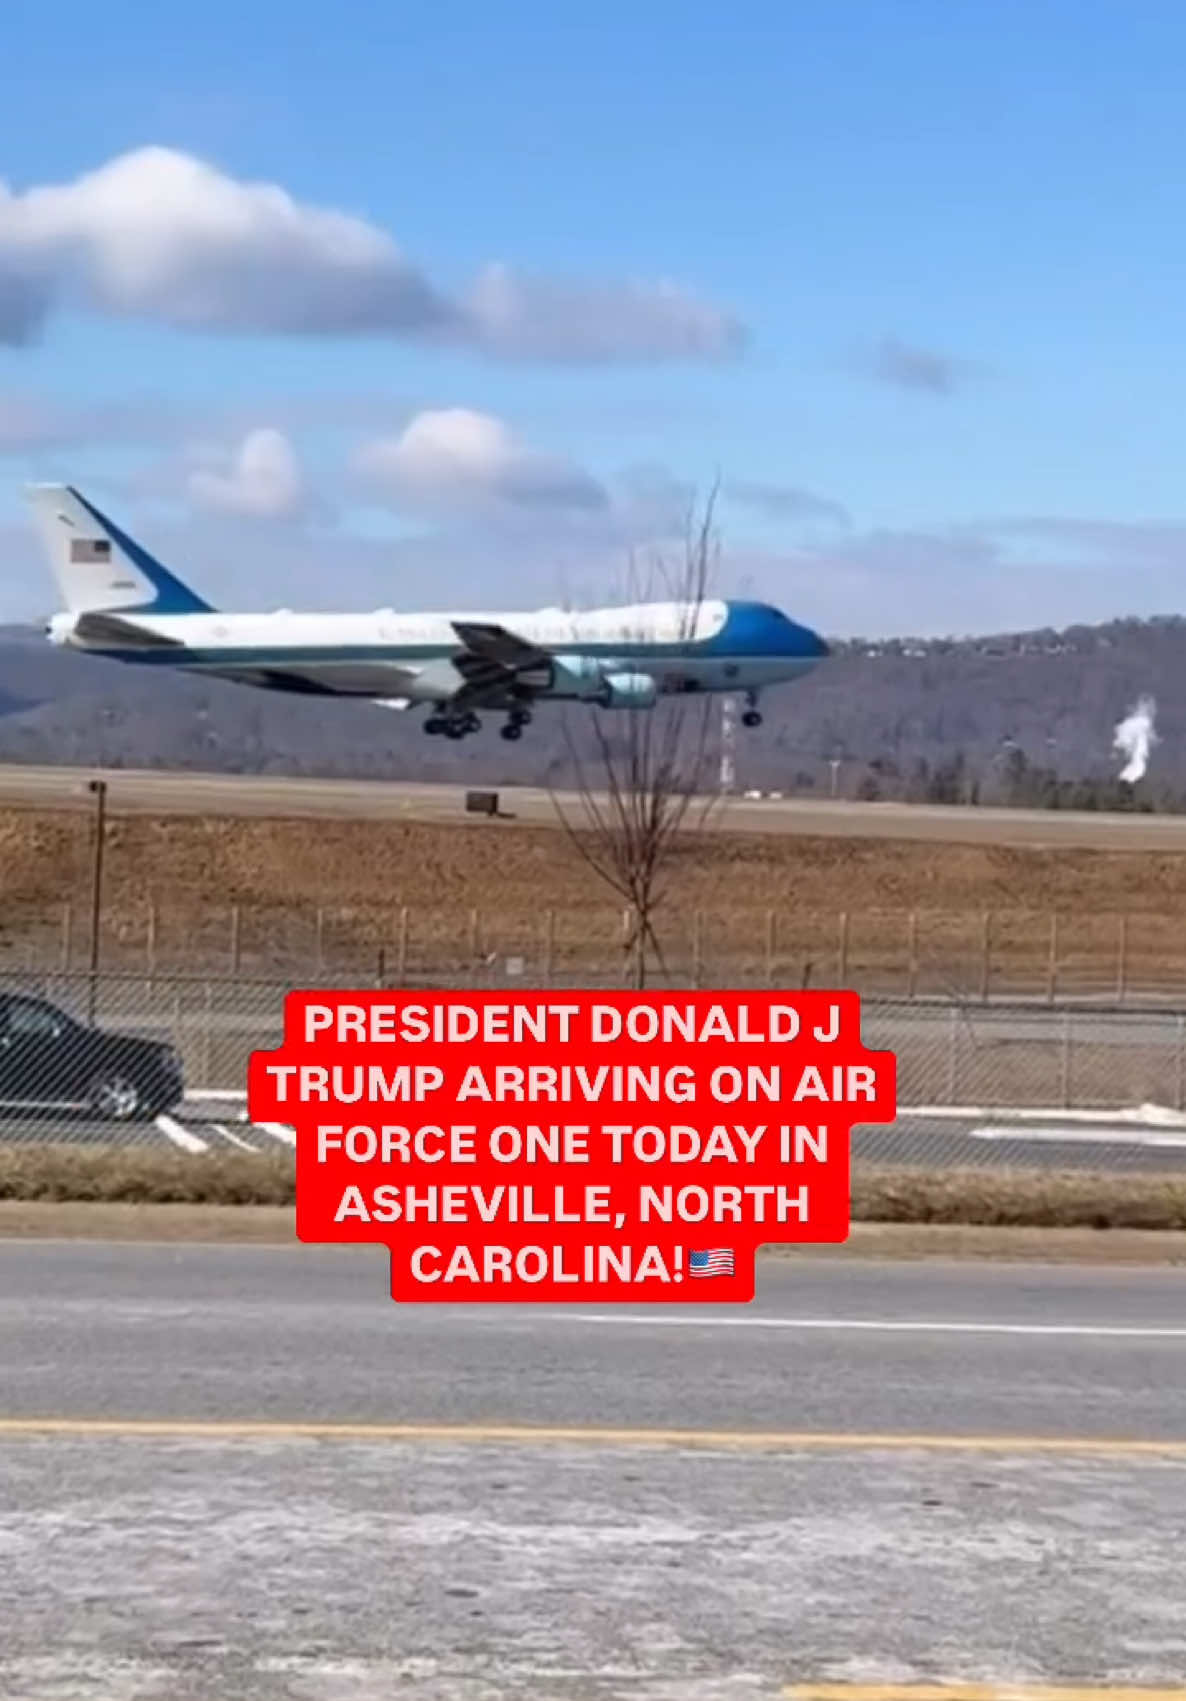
x=715 y=1263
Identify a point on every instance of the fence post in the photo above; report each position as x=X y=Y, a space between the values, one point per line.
x=1065 y=1062
x=1122 y=961
x=207 y=1036
x=401 y=961
x=99 y=790
x=150 y=946
x=771 y=922
x=842 y=950
x=381 y=968
x=697 y=948
x=236 y=939
x=953 y=1035
x=320 y=942
x=986 y=957
x=1180 y=1083
x=912 y=949
x=549 y=945
x=67 y=936
x=1052 y=959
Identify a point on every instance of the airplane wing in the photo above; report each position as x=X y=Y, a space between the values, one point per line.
x=497 y=644
x=97 y=627
x=493 y=660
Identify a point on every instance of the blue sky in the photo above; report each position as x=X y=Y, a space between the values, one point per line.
x=907 y=275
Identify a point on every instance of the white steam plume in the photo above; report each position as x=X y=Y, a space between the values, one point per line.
x=1135 y=738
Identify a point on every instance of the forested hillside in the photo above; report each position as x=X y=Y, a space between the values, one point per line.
x=1019 y=718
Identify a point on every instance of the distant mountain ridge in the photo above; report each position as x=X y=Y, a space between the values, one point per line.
x=901 y=717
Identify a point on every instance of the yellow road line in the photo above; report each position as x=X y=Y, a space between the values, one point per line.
x=808 y=1441
x=975 y=1692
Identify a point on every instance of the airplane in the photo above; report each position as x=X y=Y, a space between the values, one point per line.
x=122 y=604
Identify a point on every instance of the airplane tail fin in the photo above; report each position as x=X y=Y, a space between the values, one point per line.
x=97 y=566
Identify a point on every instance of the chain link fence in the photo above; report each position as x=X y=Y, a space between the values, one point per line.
x=122 y=1056
x=915 y=954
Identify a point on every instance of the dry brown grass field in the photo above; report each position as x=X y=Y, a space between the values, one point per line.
x=417 y=901
x=1047 y=1199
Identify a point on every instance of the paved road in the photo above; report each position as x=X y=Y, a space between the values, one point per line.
x=992 y=1141
x=192 y=1563
x=292 y=1333
x=271 y=795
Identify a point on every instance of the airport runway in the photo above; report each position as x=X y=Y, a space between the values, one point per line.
x=256 y=795
x=877 y=1473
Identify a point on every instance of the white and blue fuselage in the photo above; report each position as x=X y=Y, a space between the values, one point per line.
x=121 y=603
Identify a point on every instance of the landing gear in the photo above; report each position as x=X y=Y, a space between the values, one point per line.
x=439 y=722
x=751 y=716
x=516 y=721
x=451 y=726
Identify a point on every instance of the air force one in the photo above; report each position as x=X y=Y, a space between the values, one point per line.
x=122 y=604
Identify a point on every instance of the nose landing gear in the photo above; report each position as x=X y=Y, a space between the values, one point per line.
x=751 y=716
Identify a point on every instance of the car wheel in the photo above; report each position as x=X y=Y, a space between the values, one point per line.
x=115 y=1097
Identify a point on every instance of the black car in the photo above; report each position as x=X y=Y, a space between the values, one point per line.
x=48 y=1061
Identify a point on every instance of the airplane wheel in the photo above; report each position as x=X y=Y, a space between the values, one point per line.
x=751 y=717
x=434 y=725
x=454 y=731
x=512 y=731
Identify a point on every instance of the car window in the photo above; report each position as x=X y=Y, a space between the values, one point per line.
x=32 y=1020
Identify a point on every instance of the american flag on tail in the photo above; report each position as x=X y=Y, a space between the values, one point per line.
x=87 y=550
x=718 y=1262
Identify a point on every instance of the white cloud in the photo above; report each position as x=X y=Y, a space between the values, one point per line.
x=786 y=502
x=159 y=235
x=909 y=366
x=30 y=422
x=450 y=455
x=263 y=480
x=551 y=319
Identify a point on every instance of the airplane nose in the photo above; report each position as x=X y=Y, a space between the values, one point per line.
x=819 y=646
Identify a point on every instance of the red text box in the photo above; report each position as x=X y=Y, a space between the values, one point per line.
x=572 y=1146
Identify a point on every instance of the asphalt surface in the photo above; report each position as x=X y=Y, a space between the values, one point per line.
x=271 y=795
x=956 y=1489
x=308 y=1333
x=991 y=1141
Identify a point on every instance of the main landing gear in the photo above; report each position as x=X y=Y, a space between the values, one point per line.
x=442 y=724
x=516 y=721
x=751 y=716
x=451 y=726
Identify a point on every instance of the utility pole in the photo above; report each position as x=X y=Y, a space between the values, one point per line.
x=98 y=788
x=834 y=764
x=728 y=743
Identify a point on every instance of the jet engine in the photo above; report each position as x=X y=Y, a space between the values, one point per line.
x=628 y=691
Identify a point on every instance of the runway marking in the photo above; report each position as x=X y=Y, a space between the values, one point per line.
x=244 y=1145
x=180 y=1136
x=520 y=1435
x=888 y=1325
x=278 y=1131
x=1142 y=1116
x=975 y=1692
x=1069 y=1136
